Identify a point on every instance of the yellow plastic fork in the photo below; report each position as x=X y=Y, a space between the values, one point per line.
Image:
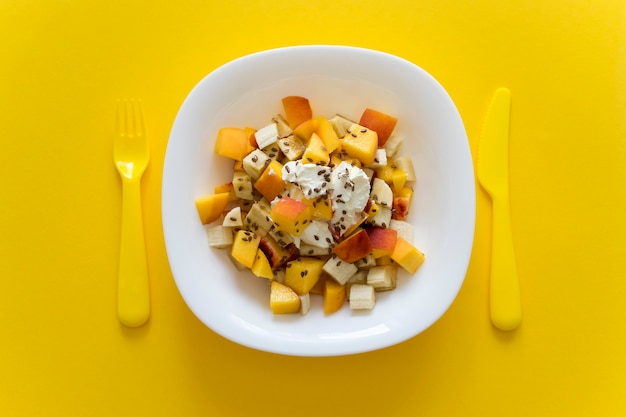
x=131 y=155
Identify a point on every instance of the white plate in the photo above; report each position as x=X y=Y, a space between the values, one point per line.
x=345 y=80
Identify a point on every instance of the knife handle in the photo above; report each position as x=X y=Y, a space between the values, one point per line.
x=505 y=302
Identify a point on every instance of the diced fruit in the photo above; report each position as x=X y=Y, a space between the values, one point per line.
x=406 y=164
x=250 y=131
x=334 y=296
x=261 y=266
x=232 y=143
x=339 y=270
x=401 y=204
x=282 y=126
x=271 y=183
x=380 y=158
x=242 y=185
x=366 y=262
x=291 y=216
x=338 y=157
x=354 y=247
x=383 y=241
x=302 y=274
x=276 y=254
x=384 y=260
x=305 y=303
x=233 y=218
x=321 y=207
x=398 y=179
x=283 y=300
x=219 y=236
x=297 y=110
x=306 y=129
x=361 y=143
x=381 y=123
x=341 y=125
x=382 y=217
x=292 y=147
x=382 y=278
x=362 y=297
x=392 y=145
x=317 y=234
x=255 y=163
x=407 y=256
x=245 y=246
x=211 y=207
x=318 y=288
x=226 y=188
x=381 y=193
x=359 y=278
x=316 y=152
x=327 y=133
x=404 y=229
x=258 y=219
x=266 y=136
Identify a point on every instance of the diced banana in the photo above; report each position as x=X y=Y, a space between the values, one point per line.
x=362 y=297
x=242 y=185
x=233 y=218
x=392 y=145
x=273 y=151
x=282 y=126
x=305 y=303
x=404 y=229
x=259 y=220
x=339 y=270
x=359 y=278
x=266 y=136
x=255 y=163
x=382 y=218
x=406 y=164
x=317 y=234
x=366 y=262
x=310 y=250
x=381 y=193
x=382 y=278
x=282 y=238
x=380 y=158
x=292 y=147
x=341 y=125
x=219 y=236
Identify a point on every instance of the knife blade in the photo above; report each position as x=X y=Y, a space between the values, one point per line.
x=493 y=175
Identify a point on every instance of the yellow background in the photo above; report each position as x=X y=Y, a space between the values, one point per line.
x=62 y=350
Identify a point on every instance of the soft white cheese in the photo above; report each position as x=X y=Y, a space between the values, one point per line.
x=313 y=180
x=349 y=195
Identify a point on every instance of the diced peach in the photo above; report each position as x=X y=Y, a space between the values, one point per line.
x=233 y=143
x=297 y=110
x=383 y=241
x=283 y=300
x=316 y=152
x=359 y=221
x=401 y=204
x=305 y=129
x=334 y=296
x=360 y=143
x=271 y=183
x=250 y=131
x=303 y=273
x=210 y=207
x=407 y=256
x=245 y=247
x=261 y=266
x=381 y=123
x=327 y=133
x=354 y=247
x=291 y=216
x=276 y=254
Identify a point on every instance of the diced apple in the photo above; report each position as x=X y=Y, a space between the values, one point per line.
x=291 y=216
x=283 y=300
x=233 y=143
x=383 y=241
x=383 y=124
x=303 y=273
x=271 y=183
x=211 y=207
x=297 y=110
x=354 y=247
x=407 y=256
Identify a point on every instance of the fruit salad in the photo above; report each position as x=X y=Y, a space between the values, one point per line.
x=317 y=206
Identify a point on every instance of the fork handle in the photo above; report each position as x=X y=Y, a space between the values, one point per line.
x=505 y=302
x=133 y=303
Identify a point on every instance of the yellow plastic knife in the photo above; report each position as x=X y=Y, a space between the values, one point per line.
x=493 y=176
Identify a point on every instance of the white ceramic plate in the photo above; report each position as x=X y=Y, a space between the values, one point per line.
x=345 y=80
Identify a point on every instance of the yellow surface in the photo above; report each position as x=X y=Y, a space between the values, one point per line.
x=63 y=351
